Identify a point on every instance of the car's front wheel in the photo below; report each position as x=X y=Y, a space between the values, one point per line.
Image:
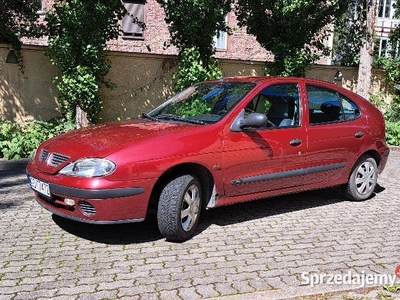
x=179 y=208
x=362 y=180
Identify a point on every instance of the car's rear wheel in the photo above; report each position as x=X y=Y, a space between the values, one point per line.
x=362 y=180
x=179 y=208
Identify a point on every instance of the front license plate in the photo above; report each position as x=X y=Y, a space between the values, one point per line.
x=40 y=186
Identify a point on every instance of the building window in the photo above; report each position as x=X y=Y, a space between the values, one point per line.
x=386 y=49
x=135 y=12
x=383 y=47
x=385 y=9
x=221 y=39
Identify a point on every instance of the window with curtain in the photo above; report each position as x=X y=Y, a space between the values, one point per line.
x=135 y=11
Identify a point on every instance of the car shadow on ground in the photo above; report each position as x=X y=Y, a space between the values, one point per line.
x=147 y=231
x=247 y=211
x=115 y=234
x=13 y=167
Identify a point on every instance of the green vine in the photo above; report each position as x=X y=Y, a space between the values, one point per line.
x=78 y=31
x=192 y=26
x=191 y=69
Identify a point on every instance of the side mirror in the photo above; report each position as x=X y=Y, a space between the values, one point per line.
x=254 y=120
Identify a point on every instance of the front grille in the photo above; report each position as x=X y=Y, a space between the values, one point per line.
x=57 y=159
x=87 y=208
x=44 y=154
x=52 y=159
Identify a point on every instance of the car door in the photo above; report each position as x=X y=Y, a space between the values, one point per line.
x=268 y=158
x=334 y=134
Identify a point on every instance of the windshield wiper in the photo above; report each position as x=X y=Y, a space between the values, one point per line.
x=147 y=116
x=180 y=119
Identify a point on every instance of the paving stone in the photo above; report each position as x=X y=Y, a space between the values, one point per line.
x=207 y=291
x=169 y=295
x=188 y=293
x=247 y=250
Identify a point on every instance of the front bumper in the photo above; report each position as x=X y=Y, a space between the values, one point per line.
x=100 y=206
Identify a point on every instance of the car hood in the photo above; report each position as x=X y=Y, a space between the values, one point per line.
x=104 y=140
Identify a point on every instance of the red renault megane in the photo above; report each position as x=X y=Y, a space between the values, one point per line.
x=215 y=143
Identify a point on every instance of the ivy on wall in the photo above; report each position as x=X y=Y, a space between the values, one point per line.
x=78 y=31
x=192 y=26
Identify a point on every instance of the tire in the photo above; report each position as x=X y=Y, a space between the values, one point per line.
x=179 y=208
x=362 y=180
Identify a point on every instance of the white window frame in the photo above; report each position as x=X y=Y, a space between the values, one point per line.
x=386 y=5
x=384 y=47
x=221 y=39
x=129 y=29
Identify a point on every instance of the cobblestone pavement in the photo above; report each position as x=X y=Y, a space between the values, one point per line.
x=256 y=250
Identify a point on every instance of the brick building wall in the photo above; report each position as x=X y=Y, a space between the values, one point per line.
x=240 y=45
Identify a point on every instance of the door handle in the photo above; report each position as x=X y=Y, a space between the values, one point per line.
x=295 y=142
x=359 y=134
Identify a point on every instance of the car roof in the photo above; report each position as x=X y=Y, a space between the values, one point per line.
x=256 y=79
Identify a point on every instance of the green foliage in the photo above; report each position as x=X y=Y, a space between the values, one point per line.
x=17 y=141
x=192 y=108
x=18 y=19
x=192 y=69
x=350 y=34
x=392 y=288
x=78 y=31
x=295 y=64
x=193 y=24
x=392 y=117
x=79 y=87
x=393 y=133
x=293 y=31
x=391 y=65
x=393 y=113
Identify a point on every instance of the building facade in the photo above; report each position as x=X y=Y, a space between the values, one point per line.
x=142 y=68
x=384 y=25
x=238 y=46
x=153 y=39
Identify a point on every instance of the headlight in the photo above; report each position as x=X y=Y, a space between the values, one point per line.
x=89 y=167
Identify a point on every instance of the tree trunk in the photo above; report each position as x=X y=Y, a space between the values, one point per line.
x=366 y=53
x=81 y=119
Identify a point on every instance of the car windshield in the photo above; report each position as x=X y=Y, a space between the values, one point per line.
x=203 y=103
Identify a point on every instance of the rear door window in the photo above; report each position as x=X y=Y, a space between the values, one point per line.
x=327 y=106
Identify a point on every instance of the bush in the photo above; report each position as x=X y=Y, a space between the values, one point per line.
x=393 y=133
x=393 y=113
x=17 y=141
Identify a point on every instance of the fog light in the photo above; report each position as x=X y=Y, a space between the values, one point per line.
x=69 y=202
